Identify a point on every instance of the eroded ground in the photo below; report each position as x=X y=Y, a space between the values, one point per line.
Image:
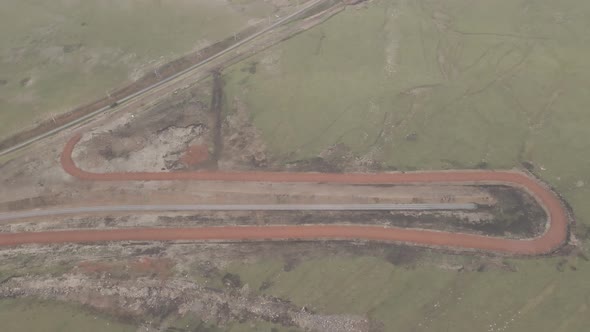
x=156 y=282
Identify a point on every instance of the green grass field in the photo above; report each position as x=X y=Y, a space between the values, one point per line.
x=56 y=55
x=497 y=82
x=32 y=315
x=428 y=298
x=502 y=93
x=24 y=315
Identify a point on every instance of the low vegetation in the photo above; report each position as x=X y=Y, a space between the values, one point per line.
x=436 y=85
x=25 y=315
x=65 y=54
x=425 y=85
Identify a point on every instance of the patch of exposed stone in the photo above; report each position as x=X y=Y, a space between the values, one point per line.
x=158 y=298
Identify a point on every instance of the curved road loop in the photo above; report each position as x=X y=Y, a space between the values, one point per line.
x=553 y=237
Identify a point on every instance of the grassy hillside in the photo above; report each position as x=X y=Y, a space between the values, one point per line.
x=55 y=55
x=436 y=85
x=466 y=88
x=26 y=315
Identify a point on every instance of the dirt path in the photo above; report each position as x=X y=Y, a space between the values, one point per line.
x=552 y=239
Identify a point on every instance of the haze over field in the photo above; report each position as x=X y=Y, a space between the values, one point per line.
x=297 y=106
x=65 y=53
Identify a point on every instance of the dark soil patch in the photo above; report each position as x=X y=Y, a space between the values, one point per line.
x=182 y=111
x=265 y=285
x=337 y=158
x=412 y=137
x=25 y=81
x=231 y=280
x=528 y=165
x=403 y=256
x=71 y=47
x=251 y=68
x=290 y=262
x=582 y=231
x=150 y=251
x=517 y=215
x=109 y=153
x=216 y=116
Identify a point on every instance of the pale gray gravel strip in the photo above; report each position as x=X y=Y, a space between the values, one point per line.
x=235 y=207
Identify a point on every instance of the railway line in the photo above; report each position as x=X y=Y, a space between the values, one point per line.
x=166 y=81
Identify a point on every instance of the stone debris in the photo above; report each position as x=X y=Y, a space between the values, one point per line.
x=145 y=296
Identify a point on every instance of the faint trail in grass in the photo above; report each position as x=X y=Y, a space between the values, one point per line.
x=509 y=92
x=497 y=34
x=481 y=57
x=440 y=61
x=326 y=129
x=500 y=76
x=318 y=49
x=381 y=129
x=566 y=323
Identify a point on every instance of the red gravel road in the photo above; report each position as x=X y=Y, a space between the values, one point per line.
x=552 y=239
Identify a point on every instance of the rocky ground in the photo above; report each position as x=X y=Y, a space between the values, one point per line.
x=145 y=297
x=151 y=283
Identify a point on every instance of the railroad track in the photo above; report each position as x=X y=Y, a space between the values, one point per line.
x=121 y=102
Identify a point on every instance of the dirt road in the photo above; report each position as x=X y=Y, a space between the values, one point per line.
x=552 y=239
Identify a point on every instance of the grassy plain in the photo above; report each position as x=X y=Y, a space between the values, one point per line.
x=435 y=85
x=24 y=315
x=190 y=323
x=56 y=55
x=428 y=297
x=471 y=89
